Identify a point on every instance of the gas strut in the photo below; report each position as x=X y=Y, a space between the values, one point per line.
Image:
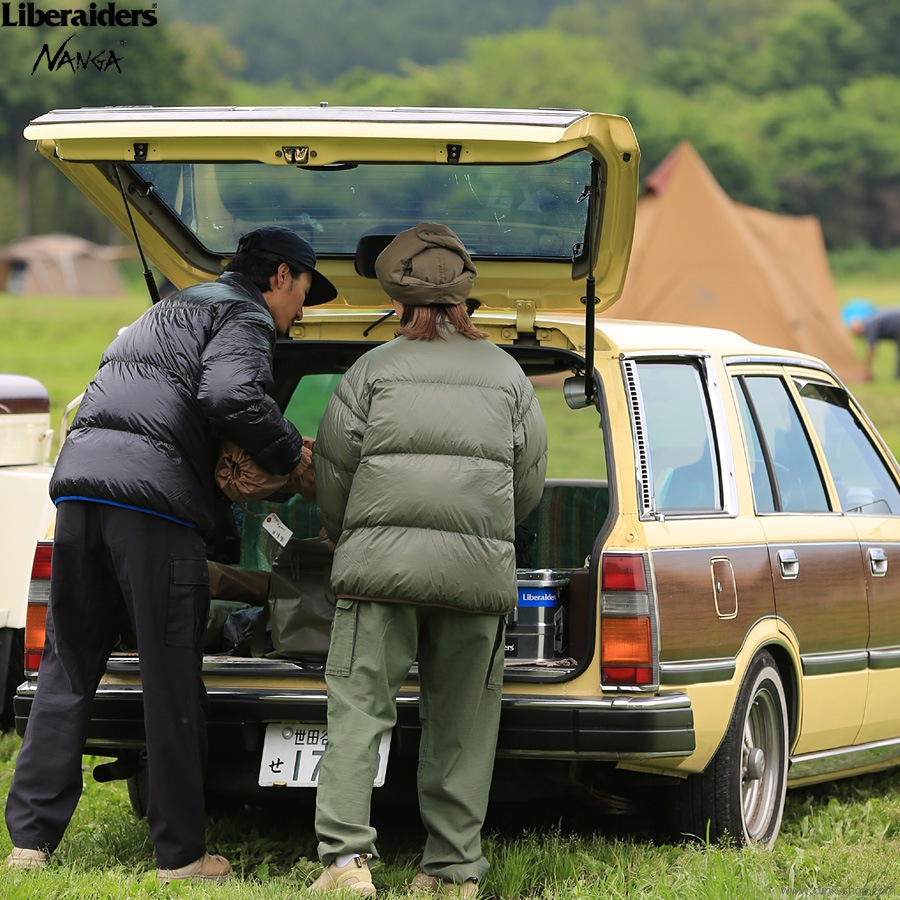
x=148 y=275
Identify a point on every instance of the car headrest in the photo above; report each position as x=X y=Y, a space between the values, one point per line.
x=367 y=250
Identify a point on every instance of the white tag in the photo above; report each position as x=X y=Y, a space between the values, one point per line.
x=277 y=529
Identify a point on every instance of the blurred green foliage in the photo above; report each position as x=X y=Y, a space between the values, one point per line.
x=793 y=104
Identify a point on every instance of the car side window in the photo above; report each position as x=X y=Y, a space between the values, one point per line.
x=308 y=402
x=864 y=483
x=679 y=437
x=788 y=457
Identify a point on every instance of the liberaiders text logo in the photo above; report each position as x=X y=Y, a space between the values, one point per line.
x=27 y=15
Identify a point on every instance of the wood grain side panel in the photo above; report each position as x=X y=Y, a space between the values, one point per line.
x=690 y=626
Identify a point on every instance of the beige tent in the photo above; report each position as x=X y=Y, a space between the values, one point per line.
x=699 y=258
x=62 y=265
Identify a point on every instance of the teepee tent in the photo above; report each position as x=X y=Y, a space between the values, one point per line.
x=699 y=258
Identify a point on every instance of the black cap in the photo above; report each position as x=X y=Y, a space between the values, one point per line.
x=289 y=246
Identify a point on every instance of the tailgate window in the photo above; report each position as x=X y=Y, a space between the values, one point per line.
x=525 y=211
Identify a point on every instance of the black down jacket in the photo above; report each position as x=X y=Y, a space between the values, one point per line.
x=194 y=368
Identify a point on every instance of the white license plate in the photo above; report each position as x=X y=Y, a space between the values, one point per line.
x=292 y=754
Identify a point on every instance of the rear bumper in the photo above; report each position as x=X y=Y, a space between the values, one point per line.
x=607 y=728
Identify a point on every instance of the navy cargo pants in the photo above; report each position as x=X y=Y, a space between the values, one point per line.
x=111 y=564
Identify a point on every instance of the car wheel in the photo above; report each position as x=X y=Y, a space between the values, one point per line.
x=137 y=793
x=740 y=796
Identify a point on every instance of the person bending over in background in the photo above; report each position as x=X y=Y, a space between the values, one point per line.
x=135 y=491
x=431 y=449
x=875 y=326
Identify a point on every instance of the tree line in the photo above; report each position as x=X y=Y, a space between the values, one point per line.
x=793 y=104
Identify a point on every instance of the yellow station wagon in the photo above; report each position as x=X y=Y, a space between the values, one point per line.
x=710 y=611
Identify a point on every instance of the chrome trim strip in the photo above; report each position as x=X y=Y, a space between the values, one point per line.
x=594 y=755
x=834 y=663
x=655 y=703
x=722 y=550
x=671 y=700
x=664 y=355
x=775 y=360
x=261 y=667
x=721 y=434
x=885 y=658
x=843 y=759
x=697 y=672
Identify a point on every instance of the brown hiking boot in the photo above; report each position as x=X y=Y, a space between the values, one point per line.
x=207 y=868
x=428 y=884
x=355 y=876
x=21 y=858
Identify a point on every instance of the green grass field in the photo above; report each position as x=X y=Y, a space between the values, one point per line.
x=842 y=840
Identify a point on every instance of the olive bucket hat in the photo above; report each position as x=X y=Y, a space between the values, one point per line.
x=426 y=265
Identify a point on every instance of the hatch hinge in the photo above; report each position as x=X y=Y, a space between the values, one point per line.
x=525 y=315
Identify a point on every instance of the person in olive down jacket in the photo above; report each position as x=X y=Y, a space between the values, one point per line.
x=431 y=449
x=135 y=493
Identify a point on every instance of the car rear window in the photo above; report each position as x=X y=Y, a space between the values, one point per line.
x=523 y=211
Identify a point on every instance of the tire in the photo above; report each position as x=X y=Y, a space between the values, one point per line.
x=137 y=793
x=739 y=798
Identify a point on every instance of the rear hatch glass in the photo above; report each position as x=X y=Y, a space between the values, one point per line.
x=523 y=211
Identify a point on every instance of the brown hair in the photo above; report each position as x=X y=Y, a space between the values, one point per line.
x=423 y=323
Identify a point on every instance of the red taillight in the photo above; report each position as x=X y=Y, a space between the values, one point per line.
x=627 y=622
x=622 y=676
x=38 y=598
x=624 y=573
x=43 y=556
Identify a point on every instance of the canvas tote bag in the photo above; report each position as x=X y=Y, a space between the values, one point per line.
x=301 y=602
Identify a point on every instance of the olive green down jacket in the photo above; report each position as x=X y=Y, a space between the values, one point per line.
x=427 y=456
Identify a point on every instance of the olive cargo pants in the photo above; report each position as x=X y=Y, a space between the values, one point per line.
x=460 y=658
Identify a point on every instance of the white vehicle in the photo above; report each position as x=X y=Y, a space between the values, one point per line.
x=26 y=519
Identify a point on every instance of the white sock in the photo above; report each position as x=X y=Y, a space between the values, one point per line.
x=341 y=861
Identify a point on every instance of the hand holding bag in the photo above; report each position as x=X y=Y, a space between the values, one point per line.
x=242 y=479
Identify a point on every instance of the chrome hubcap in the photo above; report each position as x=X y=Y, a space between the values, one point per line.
x=759 y=783
x=756 y=764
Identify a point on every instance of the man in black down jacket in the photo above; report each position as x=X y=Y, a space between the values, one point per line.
x=136 y=495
